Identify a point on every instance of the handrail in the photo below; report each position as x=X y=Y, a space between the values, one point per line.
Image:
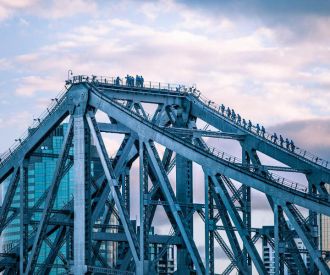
x=230 y=160
x=238 y=162
x=4 y=157
x=264 y=135
x=191 y=90
x=113 y=81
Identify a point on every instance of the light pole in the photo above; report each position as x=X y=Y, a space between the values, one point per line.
x=68 y=81
x=69 y=73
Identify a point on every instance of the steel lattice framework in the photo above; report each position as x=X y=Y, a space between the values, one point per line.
x=83 y=221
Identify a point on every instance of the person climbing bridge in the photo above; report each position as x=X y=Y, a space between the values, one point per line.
x=233 y=114
x=238 y=119
x=244 y=123
x=258 y=128
x=223 y=108
x=249 y=125
x=293 y=147
x=274 y=138
x=117 y=81
x=281 y=140
x=228 y=112
x=263 y=131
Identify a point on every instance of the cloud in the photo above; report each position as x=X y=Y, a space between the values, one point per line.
x=9 y=7
x=58 y=9
x=212 y=62
x=54 y=9
x=30 y=85
x=312 y=135
x=257 y=7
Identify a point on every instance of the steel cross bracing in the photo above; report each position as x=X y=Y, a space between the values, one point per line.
x=161 y=140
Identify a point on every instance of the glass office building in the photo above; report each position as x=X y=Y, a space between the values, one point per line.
x=42 y=164
x=41 y=168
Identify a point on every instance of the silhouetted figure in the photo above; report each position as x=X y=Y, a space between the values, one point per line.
x=129 y=80
x=244 y=123
x=233 y=114
x=263 y=131
x=117 y=81
x=258 y=128
x=238 y=119
x=281 y=140
x=142 y=81
x=223 y=108
x=228 y=112
x=274 y=138
x=287 y=142
x=249 y=125
x=293 y=147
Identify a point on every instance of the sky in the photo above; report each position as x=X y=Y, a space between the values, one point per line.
x=268 y=60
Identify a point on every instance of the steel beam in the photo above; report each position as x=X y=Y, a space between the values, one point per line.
x=206 y=159
x=58 y=243
x=112 y=181
x=175 y=208
x=244 y=234
x=316 y=256
x=51 y=196
x=36 y=136
x=8 y=199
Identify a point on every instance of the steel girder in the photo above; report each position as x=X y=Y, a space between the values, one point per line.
x=207 y=158
x=50 y=201
x=124 y=105
x=115 y=193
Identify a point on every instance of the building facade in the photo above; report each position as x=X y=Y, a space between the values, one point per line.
x=42 y=164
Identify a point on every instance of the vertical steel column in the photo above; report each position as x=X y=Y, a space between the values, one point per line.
x=246 y=212
x=209 y=227
x=88 y=195
x=125 y=181
x=24 y=227
x=279 y=268
x=313 y=227
x=184 y=194
x=81 y=235
x=144 y=247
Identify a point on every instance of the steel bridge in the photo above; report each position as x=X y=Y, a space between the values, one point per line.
x=167 y=140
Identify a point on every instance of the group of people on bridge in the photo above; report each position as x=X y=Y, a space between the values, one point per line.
x=139 y=81
x=260 y=130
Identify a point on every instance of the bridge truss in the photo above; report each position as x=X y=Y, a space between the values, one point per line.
x=168 y=139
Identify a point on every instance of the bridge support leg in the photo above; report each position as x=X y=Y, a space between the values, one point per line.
x=246 y=211
x=314 y=227
x=209 y=228
x=144 y=247
x=184 y=193
x=82 y=235
x=278 y=241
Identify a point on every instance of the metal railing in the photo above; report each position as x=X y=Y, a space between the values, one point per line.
x=110 y=80
x=231 y=160
x=264 y=135
x=191 y=89
x=4 y=157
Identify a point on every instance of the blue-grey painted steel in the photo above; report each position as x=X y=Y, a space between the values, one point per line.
x=298 y=225
x=50 y=201
x=80 y=227
x=206 y=158
x=175 y=209
x=112 y=181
